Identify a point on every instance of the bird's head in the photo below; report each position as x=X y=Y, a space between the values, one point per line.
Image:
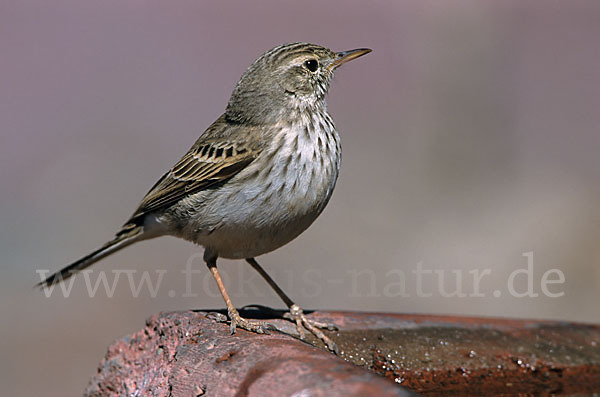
x=289 y=78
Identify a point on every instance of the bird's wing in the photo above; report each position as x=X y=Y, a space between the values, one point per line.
x=210 y=161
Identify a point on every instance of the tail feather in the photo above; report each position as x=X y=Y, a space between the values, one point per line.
x=127 y=236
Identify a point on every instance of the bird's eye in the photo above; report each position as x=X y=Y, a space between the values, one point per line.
x=311 y=65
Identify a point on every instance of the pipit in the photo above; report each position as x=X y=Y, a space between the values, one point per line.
x=255 y=179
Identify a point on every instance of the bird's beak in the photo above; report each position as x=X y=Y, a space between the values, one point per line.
x=345 y=56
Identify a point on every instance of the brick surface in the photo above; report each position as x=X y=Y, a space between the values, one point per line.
x=193 y=354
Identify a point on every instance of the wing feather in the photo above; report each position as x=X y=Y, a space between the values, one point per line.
x=209 y=162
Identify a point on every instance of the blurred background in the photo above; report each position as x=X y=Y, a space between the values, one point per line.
x=470 y=136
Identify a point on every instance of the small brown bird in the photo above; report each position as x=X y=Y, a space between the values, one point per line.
x=255 y=179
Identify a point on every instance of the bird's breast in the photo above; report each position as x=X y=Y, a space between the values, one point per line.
x=278 y=195
x=305 y=166
x=295 y=175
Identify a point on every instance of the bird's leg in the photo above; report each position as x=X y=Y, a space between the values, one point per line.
x=296 y=314
x=260 y=327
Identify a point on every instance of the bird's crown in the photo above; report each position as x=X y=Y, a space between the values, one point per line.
x=288 y=78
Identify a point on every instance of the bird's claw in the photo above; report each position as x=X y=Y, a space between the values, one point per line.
x=259 y=327
x=296 y=314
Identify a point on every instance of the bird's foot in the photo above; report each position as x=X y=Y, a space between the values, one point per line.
x=314 y=327
x=237 y=321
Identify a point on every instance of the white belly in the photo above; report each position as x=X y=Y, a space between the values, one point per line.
x=269 y=203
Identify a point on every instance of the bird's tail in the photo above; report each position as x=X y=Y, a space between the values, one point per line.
x=127 y=236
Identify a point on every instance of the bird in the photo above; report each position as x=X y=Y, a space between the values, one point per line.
x=254 y=180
